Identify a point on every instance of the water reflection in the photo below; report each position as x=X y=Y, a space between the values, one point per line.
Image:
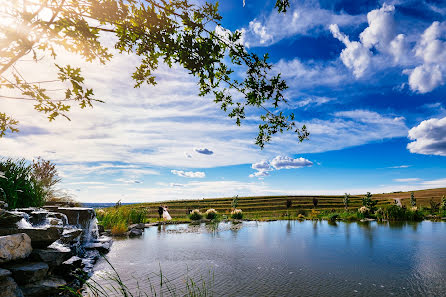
x=294 y=258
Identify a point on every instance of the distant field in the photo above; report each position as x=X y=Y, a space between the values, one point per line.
x=275 y=206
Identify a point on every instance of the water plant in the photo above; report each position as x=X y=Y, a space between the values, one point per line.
x=237 y=214
x=111 y=217
x=195 y=215
x=119 y=228
x=211 y=214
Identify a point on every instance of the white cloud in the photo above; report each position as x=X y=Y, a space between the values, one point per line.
x=189 y=156
x=279 y=162
x=381 y=30
x=204 y=151
x=283 y=162
x=189 y=174
x=301 y=19
x=431 y=74
x=407 y=180
x=429 y=137
x=355 y=56
x=400 y=166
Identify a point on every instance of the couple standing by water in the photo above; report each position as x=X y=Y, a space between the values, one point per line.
x=162 y=211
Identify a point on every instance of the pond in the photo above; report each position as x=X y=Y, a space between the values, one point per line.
x=288 y=258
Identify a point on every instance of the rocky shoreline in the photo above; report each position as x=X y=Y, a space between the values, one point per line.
x=45 y=249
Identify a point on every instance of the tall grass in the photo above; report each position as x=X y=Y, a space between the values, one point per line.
x=116 y=217
x=156 y=284
x=18 y=187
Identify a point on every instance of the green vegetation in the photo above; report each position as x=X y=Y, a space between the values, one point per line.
x=413 y=201
x=19 y=186
x=265 y=208
x=346 y=200
x=116 y=217
x=195 y=215
x=237 y=214
x=211 y=214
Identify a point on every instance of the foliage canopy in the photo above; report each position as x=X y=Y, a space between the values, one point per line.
x=171 y=32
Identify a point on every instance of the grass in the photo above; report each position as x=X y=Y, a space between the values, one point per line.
x=265 y=208
x=156 y=284
x=114 y=218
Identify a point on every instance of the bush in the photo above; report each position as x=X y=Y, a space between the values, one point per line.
x=302 y=212
x=300 y=217
x=211 y=214
x=237 y=214
x=119 y=229
x=18 y=187
x=195 y=215
x=396 y=213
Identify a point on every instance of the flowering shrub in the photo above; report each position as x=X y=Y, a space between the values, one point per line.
x=237 y=214
x=364 y=210
x=211 y=214
x=195 y=215
x=414 y=208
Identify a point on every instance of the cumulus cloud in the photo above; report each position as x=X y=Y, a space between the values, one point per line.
x=279 y=162
x=429 y=137
x=429 y=75
x=204 y=151
x=301 y=19
x=283 y=162
x=355 y=56
x=189 y=174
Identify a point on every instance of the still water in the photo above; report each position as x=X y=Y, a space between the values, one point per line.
x=290 y=258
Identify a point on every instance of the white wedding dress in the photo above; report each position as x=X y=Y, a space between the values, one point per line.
x=166 y=215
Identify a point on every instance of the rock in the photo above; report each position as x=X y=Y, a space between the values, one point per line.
x=38 y=217
x=44 y=288
x=101 y=229
x=70 y=235
x=135 y=232
x=9 y=288
x=9 y=219
x=60 y=216
x=3 y=204
x=43 y=237
x=150 y=225
x=102 y=247
x=53 y=257
x=25 y=273
x=74 y=261
x=68 y=267
x=78 y=216
x=4 y=273
x=137 y=226
x=13 y=247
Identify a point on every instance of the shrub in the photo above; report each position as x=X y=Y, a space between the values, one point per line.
x=18 y=186
x=300 y=217
x=364 y=211
x=119 y=229
x=435 y=206
x=333 y=217
x=346 y=200
x=237 y=214
x=413 y=201
x=195 y=215
x=211 y=214
x=369 y=203
x=443 y=203
x=234 y=203
x=396 y=213
x=302 y=212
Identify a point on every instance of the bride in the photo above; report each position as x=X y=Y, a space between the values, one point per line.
x=166 y=215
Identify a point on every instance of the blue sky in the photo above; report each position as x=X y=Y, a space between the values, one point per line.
x=366 y=77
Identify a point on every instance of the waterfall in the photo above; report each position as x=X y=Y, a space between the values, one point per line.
x=24 y=224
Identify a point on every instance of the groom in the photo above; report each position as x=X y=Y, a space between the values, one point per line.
x=160 y=211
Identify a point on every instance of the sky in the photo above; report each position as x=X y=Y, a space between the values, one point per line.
x=367 y=78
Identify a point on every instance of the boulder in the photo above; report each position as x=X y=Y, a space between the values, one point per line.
x=53 y=257
x=135 y=232
x=78 y=216
x=13 y=247
x=137 y=226
x=101 y=229
x=9 y=288
x=4 y=273
x=70 y=235
x=29 y=272
x=67 y=268
x=9 y=219
x=38 y=217
x=60 y=216
x=44 y=288
x=43 y=237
